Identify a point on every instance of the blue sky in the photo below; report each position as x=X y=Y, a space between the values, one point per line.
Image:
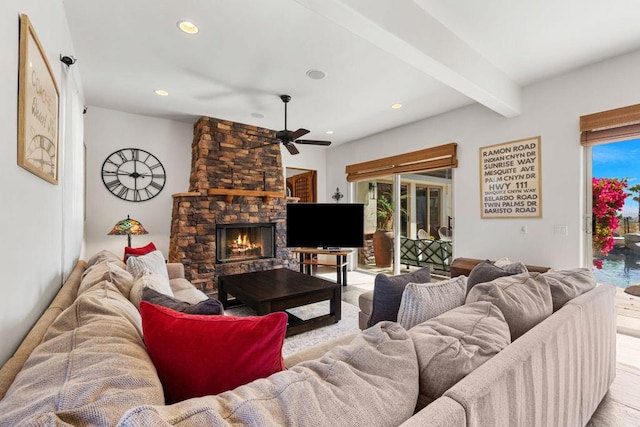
x=619 y=160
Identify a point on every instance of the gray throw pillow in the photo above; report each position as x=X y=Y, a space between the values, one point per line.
x=455 y=343
x=422 y=301
x=568 y=284
x=524 y=299
x=484 y=272
x=387 y=293
x=208 y=307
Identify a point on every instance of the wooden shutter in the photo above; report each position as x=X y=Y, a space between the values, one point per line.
x=436 y=158
x=619 y=124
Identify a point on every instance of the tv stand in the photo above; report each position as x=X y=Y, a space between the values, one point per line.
x=309 y=258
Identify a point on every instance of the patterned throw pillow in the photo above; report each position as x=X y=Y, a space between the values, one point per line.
x=422 y=301
x=387 y=293
x=153 y=261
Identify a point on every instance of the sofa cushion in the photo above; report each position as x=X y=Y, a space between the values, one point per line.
x=568 y=284
x=371 y=381
x=106 y=270
x=206 y=307
x=422 y=301
x=153 y=261
x=185 y=291
x=524 y=299
x=143 y=250
x=485 y=272
x=200 y=355
x=91 y=367
x=455 y=343
x=106 y=255
x=146 y=279
x=387 y=293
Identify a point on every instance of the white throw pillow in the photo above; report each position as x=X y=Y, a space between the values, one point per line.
x=153 y=261
x=147 y=279
x=422 y=301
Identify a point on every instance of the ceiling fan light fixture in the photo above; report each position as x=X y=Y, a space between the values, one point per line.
x=316 y=74
x=161 y=92
x=188 y=27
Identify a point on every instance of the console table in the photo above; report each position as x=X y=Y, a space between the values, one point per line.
x=309 y=258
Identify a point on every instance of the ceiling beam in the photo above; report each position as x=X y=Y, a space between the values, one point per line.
x=408 y=32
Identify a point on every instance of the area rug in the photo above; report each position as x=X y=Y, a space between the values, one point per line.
x=348 y=324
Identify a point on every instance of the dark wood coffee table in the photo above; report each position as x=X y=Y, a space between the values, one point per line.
x=280 y=289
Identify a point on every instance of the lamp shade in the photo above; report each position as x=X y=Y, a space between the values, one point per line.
x=128 y=226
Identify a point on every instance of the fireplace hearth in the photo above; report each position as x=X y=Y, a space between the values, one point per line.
x=244 y=242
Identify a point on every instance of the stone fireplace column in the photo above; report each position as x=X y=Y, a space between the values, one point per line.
x=236 y=177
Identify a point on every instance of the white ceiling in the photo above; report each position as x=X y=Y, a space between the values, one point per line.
x=431 y=56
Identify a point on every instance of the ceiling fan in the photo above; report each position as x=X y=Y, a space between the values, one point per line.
x=288 y=137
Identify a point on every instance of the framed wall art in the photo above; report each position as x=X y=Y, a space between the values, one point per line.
x=510 y=180
x=37 y=108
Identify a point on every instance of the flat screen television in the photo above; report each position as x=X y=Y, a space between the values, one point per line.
x=325 y=225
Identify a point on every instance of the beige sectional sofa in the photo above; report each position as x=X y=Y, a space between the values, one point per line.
x=85 y=363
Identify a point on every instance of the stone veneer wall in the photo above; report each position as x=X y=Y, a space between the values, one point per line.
x=225 y=157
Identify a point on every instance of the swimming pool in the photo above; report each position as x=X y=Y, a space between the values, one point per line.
x=619 y=272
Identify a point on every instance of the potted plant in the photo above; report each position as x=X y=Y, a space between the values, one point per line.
x=383 y=237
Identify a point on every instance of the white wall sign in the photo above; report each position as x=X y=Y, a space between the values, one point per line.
x=510 y=181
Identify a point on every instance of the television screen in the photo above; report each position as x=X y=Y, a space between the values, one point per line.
x=325 y=225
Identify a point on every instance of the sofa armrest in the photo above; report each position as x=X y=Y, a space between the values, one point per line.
x=365 y=302
x=442 y=412
x=175 y=270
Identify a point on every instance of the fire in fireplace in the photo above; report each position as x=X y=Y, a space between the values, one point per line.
x=243 y=242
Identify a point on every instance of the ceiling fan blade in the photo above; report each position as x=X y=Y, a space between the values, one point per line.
x=292 y=148
x=298 y=133
x=312 y=142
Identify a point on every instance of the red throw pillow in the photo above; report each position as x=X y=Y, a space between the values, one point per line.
x=138 y=251
x=199 y=355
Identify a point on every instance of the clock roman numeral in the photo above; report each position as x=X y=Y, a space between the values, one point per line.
x=123 y=192
x=156 y=185
x=136 y=196
x=113 y=184
x=122 y=156
x=135 y=154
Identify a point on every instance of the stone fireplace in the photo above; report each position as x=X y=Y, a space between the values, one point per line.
x=232 y=219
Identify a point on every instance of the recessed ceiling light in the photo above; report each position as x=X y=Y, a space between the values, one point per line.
x=188 y=27
x=396 y=106
x=329 y=132
x=257 y=115
x=316 y=74
x=161 y=92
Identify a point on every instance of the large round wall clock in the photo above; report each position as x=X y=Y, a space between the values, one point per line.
x=134 y=175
